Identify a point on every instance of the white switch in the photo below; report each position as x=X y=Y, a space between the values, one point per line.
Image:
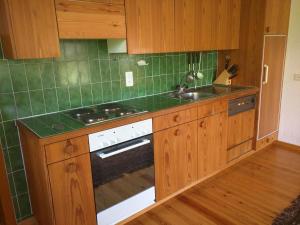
x=297 y=76
x=129 y=79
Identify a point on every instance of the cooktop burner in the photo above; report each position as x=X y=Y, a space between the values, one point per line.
x=97 y=114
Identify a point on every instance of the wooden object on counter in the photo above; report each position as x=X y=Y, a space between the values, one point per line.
x=223 y=78
x=175 y=152
x=28 y=29
x=7 y=215
x=277 y=17
x=150 y=26
x=88 y=19
x=269 y=113
x=72 y=193
x=207 y=24
x=212 y=144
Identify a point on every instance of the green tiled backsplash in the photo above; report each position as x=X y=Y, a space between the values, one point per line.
x=84 y=75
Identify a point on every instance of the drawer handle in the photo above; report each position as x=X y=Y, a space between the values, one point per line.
x=71 y=168
x=177 y=132
x=69 y=149
x=201 y=124
x=177 y=118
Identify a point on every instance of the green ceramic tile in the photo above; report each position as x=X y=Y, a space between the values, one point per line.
x=163 y=83
x=163 y=65
x=16 y=207
x=11 y=134
x=107 y=92
x=1 y=52
x=5 y=80
x=23 y=104
x=170 y=65
x=97 y=93
x=8 y=107
x=47 y=75
x=82 y=49
x=20 y=182
x=69 y=50
x=7 y=162
x=92 y=46
x=16 y=159
x=141 y=82
x=2 y=136
x=95 y=73
x=114 y=67
x=155 y=65
x=24 y=203
x=116 y=90
x=149 y=85
x=33 y=75
x=61 y=74
x=149 y=67
x=75 y=97
x=51 y=101
x=63 y=98
x=18 y=76
x=84 y=72
x=126 y=92
x=176 y=63
x=87 y=97
x=105 y=70
x=37 y=102
x=102 y=49
x=11 y=184
x=156 y=85
x=73 y=73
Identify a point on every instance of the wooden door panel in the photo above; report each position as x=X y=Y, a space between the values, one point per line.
x=277 y=16
x=72 y=191
x=175 y=158
x=212 y=144
x=274 y=55
x=150 y=26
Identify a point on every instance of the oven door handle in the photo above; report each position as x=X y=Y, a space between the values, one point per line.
x=106 y=155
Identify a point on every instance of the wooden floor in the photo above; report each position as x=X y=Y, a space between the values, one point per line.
x=253 y=192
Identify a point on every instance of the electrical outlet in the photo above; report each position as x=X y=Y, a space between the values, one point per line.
x=129 y=79
x=297 y=76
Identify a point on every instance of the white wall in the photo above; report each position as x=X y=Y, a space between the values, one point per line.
x=289 y=129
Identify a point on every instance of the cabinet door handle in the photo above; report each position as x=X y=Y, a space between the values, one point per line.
x=201 y=124
x=72 y=167
x=69 y=149
x=177 y=118
x=266 y=74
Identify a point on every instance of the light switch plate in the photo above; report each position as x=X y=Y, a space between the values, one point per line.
x=129 y=79
x=297 y=76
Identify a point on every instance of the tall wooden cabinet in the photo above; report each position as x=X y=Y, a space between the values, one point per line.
x=175 y=158
x=273 y=67
x=28 y=29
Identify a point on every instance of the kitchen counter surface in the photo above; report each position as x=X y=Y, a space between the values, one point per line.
x=59 y=123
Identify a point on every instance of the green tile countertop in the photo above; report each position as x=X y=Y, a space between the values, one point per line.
x=59 y=123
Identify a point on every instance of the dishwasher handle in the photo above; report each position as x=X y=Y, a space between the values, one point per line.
x=266 y=74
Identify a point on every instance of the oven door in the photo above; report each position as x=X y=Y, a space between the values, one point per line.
x=123 y=179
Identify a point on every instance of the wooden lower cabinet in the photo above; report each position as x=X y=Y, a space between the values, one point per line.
x=72 y=191
x=212 y=144
x=175 y=153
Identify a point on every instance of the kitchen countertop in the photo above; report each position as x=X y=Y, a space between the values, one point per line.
x=59 y=123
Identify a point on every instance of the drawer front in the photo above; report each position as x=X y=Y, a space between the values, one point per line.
x=66 y=149
x=238 y=151
x=212 y=108
x=174 y=119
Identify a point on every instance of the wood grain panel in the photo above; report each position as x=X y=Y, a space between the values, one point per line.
x=239 y=150
x=240 y=128
x=255 y=191
x=274 y=56
x=87 y=19
x=212 y=108
x=212 y=144
x=66 y=149
x=29 y=29
x=175 y=152
x=7 y=215
x=150 y=26
x=72 y=191
x=277 y=16
x=174 y=119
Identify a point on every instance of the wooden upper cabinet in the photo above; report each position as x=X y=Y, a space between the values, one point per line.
x=277 y=16
x=150 y=26
x=175 y=152
x=28 y=29
x=207 y=24
x=91 y=19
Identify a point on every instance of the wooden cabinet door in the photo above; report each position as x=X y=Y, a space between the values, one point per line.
x=207 y=24
x=274 y=56
x=87 y=19
x=240 y=128
x=72 y=191
x=175 y=152
x=28 y=29
x=277 y=16
x=150 y=26
x=212 y=144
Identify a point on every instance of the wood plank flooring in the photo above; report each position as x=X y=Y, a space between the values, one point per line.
x=255 y=191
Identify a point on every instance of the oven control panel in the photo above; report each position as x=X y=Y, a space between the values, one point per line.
x=104 y=139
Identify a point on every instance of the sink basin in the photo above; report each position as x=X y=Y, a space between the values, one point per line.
x=195 y=95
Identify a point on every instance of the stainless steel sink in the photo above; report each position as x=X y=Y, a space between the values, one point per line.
x=195 y=95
